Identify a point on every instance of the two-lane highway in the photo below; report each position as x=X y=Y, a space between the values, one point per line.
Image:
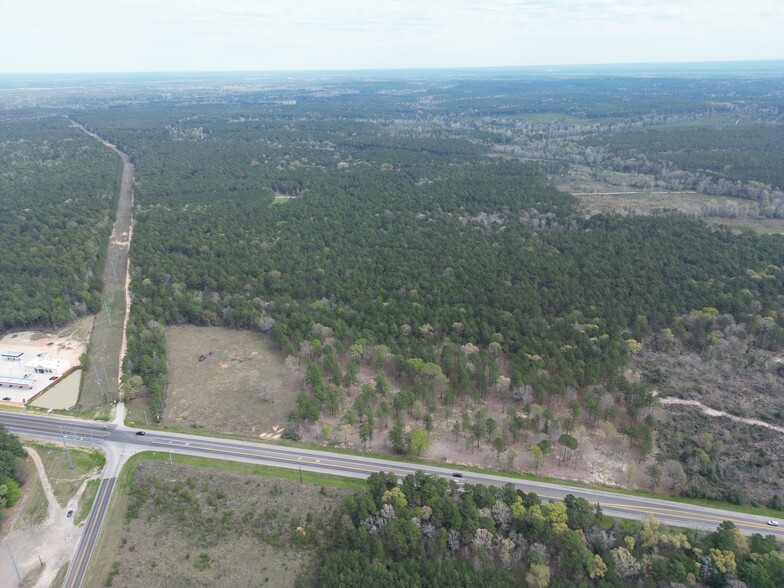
x=78 y=568
x=117 y=441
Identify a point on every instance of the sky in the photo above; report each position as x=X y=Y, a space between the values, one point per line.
x=64 y=36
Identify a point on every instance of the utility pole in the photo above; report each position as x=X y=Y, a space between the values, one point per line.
x=146 y=422
x=170 y=459
x=67 y=452
x=108 y=315
x=13 y=561
x=114 y=273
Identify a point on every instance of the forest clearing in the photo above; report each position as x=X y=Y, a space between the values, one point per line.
x=226 y=381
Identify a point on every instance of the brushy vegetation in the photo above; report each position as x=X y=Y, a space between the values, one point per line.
x=223 y=524
x=425 y=532
x=12 y=474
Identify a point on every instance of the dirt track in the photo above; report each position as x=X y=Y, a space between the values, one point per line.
x=107 y=343
x=41 y=550
x=720 y=413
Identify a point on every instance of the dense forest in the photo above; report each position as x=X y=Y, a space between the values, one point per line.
x=11 y=474
x=58 y=190
x=425 y=531
x=406 y=226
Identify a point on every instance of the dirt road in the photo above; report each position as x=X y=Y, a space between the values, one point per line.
x=40 y=550
x=719 y=413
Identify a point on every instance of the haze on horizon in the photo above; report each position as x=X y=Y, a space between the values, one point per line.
x=52 y=36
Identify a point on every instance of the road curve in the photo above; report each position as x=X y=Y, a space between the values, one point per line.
x=120 y=440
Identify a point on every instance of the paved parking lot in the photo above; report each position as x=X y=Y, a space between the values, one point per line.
x=20 y=371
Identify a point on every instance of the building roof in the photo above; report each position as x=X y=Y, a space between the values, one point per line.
x=9 y=381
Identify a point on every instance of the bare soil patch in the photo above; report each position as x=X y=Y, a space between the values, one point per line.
x=43 y=537
x=188 y=526
x=599 y=459
x=227 y=381
x=68 y=343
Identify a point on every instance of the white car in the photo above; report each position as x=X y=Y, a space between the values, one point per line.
x=773 y=523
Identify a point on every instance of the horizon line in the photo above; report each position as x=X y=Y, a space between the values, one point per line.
x=769 y=61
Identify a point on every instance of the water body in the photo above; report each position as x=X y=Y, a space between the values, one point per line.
x=63 y=394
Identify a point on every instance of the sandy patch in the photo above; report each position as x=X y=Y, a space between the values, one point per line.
x=41 y=550
x=68 y=343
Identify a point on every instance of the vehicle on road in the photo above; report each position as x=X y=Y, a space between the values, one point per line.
x=6 y=398
x=773 y=523
x=141 y=433
x=54 y=378
x=457 y=475
x=69 y=514
x=104 y=428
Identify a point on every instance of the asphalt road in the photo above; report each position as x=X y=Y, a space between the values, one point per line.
x=78 y=567
x=119 y=442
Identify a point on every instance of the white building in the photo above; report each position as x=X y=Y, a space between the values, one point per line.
x=48 y=366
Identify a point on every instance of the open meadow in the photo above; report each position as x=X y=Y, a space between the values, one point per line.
x=613 y=195
x=227 y=381
x=187 y=524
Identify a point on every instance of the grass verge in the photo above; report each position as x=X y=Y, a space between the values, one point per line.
x=36 y=506
x=65 y=481
x=88 y=498
x=242 y=468
x=59 y=579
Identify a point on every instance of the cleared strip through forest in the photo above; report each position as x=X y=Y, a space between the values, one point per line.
x=719 y=413
x=100 y=383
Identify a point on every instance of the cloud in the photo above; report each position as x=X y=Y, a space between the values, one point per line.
x=83 y=35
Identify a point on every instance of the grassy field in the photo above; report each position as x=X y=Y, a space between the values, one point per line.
x=613 y=195
x=88 y=498
x=64 y=480
x=770 y=226
x=35 y=506
x=204 y=522
x=241 y=386
x=99 y=384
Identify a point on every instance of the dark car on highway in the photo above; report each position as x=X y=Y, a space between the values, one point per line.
x=141 y=433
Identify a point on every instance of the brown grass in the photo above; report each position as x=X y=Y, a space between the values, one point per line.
x=613 y=196
x=231 y=530
x=252 y=395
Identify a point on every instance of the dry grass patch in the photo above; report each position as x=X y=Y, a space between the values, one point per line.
x=227 y=381
x=193 y=526
x=614 y=195
x=65 y=481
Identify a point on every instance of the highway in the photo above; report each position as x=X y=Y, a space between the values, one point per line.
x=119 y=442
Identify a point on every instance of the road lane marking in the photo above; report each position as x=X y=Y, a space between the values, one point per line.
x=689 y=515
